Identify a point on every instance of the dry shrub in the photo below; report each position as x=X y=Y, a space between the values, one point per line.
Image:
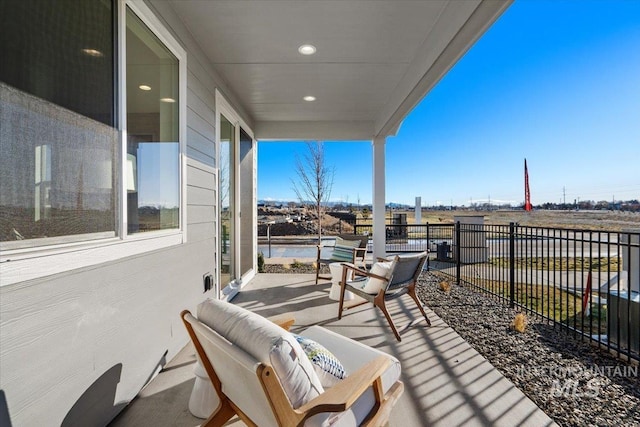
x=519 y=322
x=445 y=286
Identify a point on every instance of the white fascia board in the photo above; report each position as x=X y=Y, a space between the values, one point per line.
x=317 y=131
x=473 y=18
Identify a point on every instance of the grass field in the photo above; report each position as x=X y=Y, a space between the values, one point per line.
x=549 y=301
x=587 y=220
x=560 y=263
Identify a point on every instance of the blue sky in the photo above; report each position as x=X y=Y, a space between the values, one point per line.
x=555 y=82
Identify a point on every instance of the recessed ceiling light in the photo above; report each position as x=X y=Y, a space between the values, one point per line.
x=309 y=98
x=307 y=49
x=168 y=100
x=144 y=87
x=92 y=52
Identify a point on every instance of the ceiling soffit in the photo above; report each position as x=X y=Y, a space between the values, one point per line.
x=375 y=60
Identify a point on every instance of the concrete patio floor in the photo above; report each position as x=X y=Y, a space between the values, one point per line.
x=447 y=383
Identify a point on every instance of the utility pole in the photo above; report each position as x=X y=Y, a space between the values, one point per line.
x=564 y=195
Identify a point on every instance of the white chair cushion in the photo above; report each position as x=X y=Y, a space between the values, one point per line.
x=236 y=367
x=372 y=285
x=267 y=343
x=353 y=355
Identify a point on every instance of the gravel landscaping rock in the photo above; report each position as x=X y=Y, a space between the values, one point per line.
x=575 y=383
x=297 y=268
x=572 y=381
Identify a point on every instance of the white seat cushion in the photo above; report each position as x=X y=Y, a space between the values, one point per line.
x=353 y=355
x=267 y=343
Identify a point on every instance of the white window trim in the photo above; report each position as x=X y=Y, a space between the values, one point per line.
x=150 y=20
x=25 y=264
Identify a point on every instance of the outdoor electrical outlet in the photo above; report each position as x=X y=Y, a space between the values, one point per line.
x=208 y=281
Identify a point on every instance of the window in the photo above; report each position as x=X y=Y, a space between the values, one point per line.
x=58 y=142
x=153 y=149
x=67 y=173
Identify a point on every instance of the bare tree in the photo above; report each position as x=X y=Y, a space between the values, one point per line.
x=315 y=180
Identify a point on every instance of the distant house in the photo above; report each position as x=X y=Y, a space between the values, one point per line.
x=128 y=164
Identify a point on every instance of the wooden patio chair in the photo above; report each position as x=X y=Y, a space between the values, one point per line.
x=261 y=373
x=348 y=248
x=385 y=281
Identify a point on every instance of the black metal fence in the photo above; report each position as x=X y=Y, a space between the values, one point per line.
x=585 y=282
x=413 y=237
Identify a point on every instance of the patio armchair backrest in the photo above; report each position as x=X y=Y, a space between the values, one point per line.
x=405 y=270
x=354 y=251
x=374 y=288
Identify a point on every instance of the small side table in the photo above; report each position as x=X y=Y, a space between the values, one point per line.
x=336 y=276
x=204 y=399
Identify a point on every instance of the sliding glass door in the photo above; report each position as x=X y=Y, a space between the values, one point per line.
x=227 y=202
x=237 y=227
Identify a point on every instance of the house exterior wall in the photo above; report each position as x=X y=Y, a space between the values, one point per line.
x=77 y=346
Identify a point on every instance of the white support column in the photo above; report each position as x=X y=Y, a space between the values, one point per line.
x=379 y=211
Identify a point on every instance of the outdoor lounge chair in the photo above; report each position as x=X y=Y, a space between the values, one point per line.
x=348 y=248
x=385 y=281
x=262 y=374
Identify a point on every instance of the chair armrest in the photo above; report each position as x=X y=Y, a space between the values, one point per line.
x=344 y=394
x=322 y=245
x=362 y=272
x=360 y=255
x=285 y=320
x=319 y=251
x=357 y=270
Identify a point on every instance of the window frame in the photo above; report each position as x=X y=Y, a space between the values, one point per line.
x=142 y=11
x=29 y=263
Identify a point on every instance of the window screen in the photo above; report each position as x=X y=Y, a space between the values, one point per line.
x=58 y=144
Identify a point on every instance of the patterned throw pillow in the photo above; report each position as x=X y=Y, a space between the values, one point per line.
x=343 y=250
x=327 y=366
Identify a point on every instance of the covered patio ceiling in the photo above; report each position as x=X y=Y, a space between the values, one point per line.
x=375 y=60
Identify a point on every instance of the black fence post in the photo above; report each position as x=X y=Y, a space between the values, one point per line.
x=457 y=231
x=427 y=225
x=269 y=238
x=428 y=245
x=512 y=264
